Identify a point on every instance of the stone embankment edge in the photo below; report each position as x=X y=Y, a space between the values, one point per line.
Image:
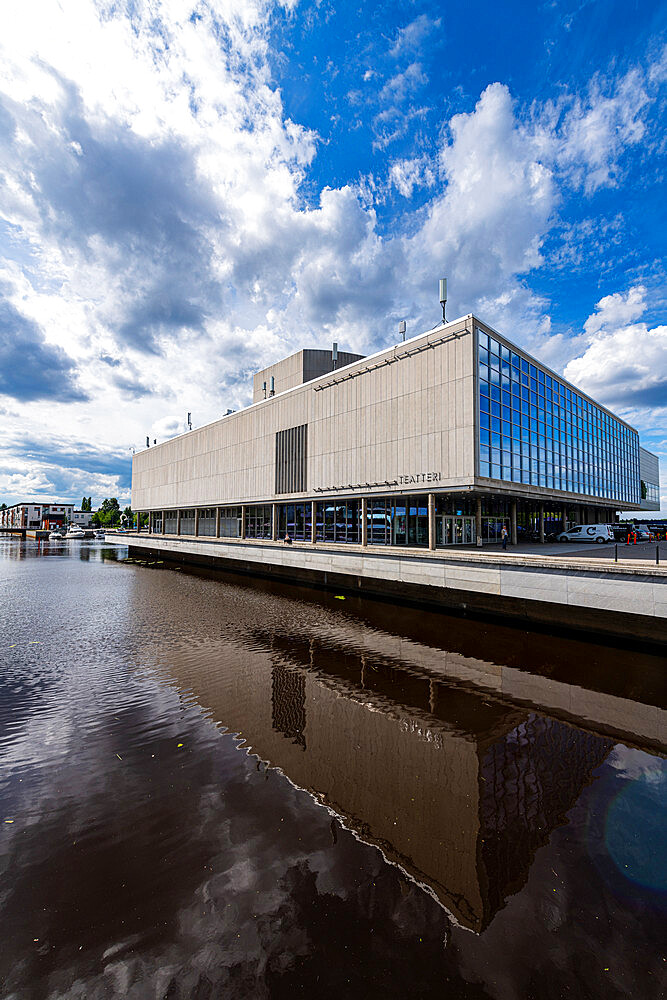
x=628 y=601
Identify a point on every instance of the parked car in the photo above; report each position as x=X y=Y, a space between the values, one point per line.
x=588 y=533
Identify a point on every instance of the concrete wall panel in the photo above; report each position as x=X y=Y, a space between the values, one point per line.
x=411 y=416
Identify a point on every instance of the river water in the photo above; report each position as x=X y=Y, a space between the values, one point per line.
x=214 y=787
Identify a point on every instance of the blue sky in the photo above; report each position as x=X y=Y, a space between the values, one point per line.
x=190 y=191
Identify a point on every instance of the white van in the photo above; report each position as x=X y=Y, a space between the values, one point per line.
x=588 y=533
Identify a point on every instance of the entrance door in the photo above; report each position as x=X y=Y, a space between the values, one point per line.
x=458 y=530
x=446 y=531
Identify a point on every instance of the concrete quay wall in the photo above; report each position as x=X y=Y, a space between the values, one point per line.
x=628 y=600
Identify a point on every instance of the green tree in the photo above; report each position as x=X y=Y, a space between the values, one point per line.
x=108 y=515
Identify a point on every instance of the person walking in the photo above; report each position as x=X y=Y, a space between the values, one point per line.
x=504 y=536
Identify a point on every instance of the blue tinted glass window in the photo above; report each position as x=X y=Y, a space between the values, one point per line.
x=575 y=446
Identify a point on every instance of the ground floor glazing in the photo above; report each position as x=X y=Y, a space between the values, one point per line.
x=419 y=521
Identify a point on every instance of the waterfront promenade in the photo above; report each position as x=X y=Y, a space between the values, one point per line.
x=625 y=599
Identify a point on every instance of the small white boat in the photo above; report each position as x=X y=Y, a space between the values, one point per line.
x=56 y=534
x=75 y=532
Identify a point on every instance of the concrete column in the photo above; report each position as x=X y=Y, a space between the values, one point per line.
x=243 y=520
x=313 y=521
x=514 y=534
x=196 y=521
x=217 y=522
x=431 y=521
x=542 y=522
x=478 y=521
x=364 y=521
x=164 y=524
x=274 y=522
x=178 y=520
x=563 y=518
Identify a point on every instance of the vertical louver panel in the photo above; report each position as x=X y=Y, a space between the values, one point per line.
x=291 y=457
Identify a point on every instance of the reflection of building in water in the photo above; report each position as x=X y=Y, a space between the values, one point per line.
x=457 y=788
x=529 y=781
x=288 y=703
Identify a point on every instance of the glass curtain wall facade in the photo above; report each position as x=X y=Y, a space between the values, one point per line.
x=188 y=521
x=391 y=521
x=259 y=521
x=295 y=520
x=537 y=431
x=339 y=521
x=206 y=524
x=230 y=522
x=398 y=521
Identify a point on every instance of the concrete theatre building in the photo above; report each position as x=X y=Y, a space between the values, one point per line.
x=436 y=441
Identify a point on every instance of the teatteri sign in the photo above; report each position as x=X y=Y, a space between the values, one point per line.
x=420 y=477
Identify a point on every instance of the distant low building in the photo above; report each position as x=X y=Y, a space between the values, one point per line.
x=82 y=518
x=41 y=514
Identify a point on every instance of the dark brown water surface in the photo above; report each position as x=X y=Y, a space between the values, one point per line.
x=217 y=788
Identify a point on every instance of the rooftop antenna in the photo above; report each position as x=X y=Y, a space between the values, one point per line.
x=148 y=442
x=334 y=356
x=272 y=389
x=443 y=297
x=264 y=388
x=402 y=328
x=189 y=421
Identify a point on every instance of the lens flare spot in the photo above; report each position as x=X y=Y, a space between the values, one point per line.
x=635 y=830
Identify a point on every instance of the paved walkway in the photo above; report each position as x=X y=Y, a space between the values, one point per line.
x=643 y=550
